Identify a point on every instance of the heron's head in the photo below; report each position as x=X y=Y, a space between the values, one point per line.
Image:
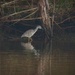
x=39 y=27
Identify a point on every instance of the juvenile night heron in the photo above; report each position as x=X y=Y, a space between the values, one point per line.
x=29 y=33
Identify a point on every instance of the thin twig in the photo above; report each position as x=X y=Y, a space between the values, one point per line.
x=68 y=27
x=21 y=19
x=7 y=20
x=8 y=3
x=57 y=24
x=28 y=2
x=66 y=19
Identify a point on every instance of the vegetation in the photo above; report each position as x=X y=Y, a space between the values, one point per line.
x=20 y=10
x=16 y=11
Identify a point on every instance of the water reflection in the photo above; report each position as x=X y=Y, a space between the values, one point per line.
x=55 y=58
x=45 y=62
x=28 y=47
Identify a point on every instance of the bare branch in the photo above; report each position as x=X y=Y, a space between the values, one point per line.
x=68 y=27
x=8 y=3
x=21 y=19
x=66 y=19
x=18 y=13
x=57 y=24
x=26 y=17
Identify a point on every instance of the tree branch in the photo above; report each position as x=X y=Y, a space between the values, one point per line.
x=21 y=19
x=18 y=13
x=8 y=3
x=26 y=16
x=66 y=19
x=68 y=27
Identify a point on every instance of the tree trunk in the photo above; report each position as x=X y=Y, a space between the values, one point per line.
x=44 y=9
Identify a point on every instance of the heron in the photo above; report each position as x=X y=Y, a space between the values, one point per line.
x=29 y=33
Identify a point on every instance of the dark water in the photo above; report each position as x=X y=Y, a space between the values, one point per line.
x=41 y=57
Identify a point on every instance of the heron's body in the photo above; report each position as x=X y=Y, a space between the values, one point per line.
x=31 y=32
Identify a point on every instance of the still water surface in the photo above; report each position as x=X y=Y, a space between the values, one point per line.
x=40 y=57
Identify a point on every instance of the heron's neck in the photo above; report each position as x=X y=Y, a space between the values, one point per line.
x=36 y=29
